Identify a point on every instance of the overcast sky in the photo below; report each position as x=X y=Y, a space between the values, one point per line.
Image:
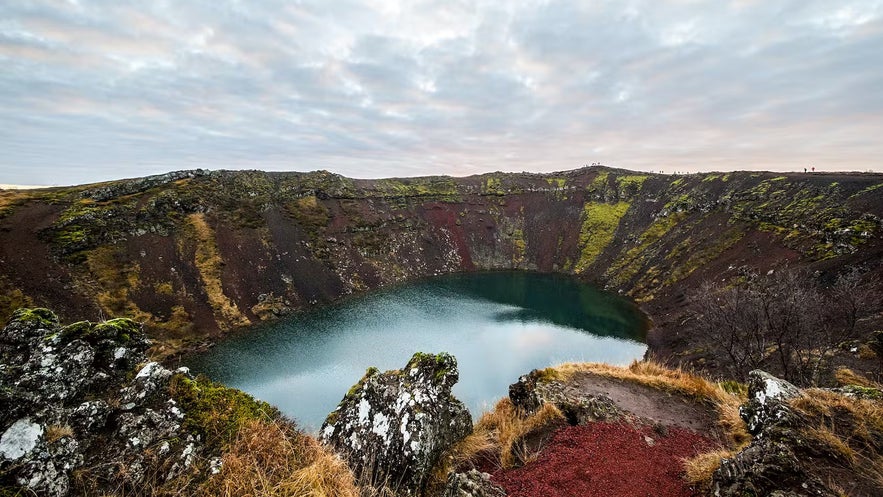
x=95 y=90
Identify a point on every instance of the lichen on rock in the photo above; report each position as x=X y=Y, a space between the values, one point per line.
x=72 y=399
x=393 y=426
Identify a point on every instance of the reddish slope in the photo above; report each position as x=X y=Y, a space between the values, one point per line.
x=610 y=460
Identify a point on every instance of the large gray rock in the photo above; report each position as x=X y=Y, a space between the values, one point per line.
x=766 y=467
x=767 y=407
x=68 y=401
x=392 y=427
x=769 y=464
x=532 y=391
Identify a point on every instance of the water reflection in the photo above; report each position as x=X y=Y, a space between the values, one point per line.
x=498 y=325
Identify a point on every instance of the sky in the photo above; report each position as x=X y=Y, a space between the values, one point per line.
x=107 y=89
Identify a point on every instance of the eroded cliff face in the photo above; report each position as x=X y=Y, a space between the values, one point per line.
x=195 y=253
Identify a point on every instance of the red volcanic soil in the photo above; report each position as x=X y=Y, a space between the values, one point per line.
x=609 y=460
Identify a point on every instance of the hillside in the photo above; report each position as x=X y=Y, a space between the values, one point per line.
x=196 y=253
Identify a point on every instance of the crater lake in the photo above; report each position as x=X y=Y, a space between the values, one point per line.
x=499 y=325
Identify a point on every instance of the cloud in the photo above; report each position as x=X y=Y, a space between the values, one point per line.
x=93 y=90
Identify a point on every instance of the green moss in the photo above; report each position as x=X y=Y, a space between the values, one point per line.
x=868 y=190
x=630 y=184
x=710 y=177
x=214 y=411
x=492 y=186
x=600 y=222
x=557 y=182
x=699 y=256
x=120 y=330
x=443 y=188
x=864 y=392
x=38 y=316
x=627 y=266
x=600 y=182
x=519 y=247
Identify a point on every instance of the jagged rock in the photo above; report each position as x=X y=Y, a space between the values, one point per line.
x=764 y=468
x=769 y=465
x=531 y=391
x=767 y=407
x=55 y=388
x=393 y=426
x=128 y=187
x=473 y=483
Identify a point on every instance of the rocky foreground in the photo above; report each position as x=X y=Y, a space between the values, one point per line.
x=83 y=412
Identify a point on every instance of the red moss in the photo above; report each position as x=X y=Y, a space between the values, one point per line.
x=607 y=459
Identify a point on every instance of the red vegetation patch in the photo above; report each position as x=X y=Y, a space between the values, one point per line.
x=607 y=459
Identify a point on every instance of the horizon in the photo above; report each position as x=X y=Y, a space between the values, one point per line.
x=93 y=91
x=7 y=186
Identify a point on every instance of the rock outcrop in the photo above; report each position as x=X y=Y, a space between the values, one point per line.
x=769 y=465
x=67 y=403
x=393 y=426
x=531 y=392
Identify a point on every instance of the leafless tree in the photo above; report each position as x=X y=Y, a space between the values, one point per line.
x=783 y=321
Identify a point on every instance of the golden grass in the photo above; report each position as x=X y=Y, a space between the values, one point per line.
x=850 y=428
x=208 y=262
x=55 y=433
x=497 y=434
x=675 y=380
x=846 y=376
x=700 y=468
x=269 y=459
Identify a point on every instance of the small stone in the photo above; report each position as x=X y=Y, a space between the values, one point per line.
x=19 y=439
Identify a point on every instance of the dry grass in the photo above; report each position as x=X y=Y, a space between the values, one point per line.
x=269 y=459
x=55 y=433
x=208 y=262
x=675 y=380
x=700 y=468
x=846 y=376
x=850 y=430
x=497 y=435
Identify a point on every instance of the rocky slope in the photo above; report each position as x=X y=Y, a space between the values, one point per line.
x=196 y=253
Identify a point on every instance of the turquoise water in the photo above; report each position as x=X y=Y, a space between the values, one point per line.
x=499 y=325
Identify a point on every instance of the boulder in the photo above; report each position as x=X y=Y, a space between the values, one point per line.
x=767 y=407
x=392 y=427
x=766 y=467
x=532 y=391
x=71 y=399
x=769 y=465
x=472 y=483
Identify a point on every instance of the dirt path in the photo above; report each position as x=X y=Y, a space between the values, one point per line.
x=651 y=404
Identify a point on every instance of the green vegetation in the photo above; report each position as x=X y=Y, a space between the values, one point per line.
x=701 y=255
x=492 y=186
x=599 y=225
x=628 y=265
x=216 y=412
x=120 y=330
x=519 y=247
x=630 y=185
x=441 y=188
x=35 y=317
x=557 y=182
x=599 y=183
